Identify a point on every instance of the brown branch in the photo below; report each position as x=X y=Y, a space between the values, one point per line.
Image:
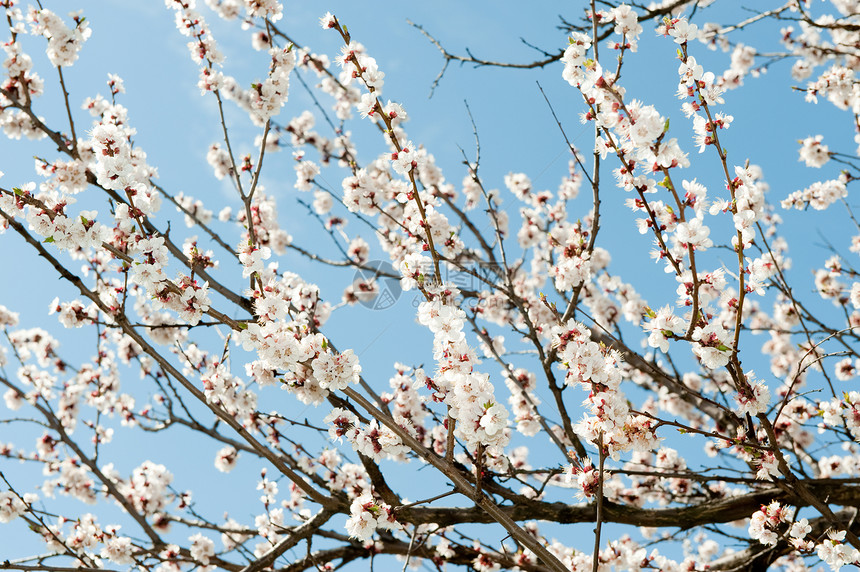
x=722 y=510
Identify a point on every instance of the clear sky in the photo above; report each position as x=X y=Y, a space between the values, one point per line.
x=139 y=42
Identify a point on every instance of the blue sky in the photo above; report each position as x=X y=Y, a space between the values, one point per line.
x=139 y=42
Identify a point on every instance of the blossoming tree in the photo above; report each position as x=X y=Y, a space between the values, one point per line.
x=599 y=430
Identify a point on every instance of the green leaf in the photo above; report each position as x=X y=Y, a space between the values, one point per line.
x=49 y=239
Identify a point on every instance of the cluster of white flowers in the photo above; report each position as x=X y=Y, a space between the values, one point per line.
x=227 y=391
x=845 y=411
x=587 y=477
x=819 y=195
x=522 y=384
x=81 y=232
x=530 y=233
x=201 y=549
x=269 y=9
x=148 y=489
x=278 y=342
x=226 y=459
x=626 y=25
x=185 y=296
x=712 y=349
x=190 y=300
x=414 y=268
x=86 y=534
x=748 y=204
x=680 y=29
x=837 y=84
x=121 y=168
x=336 y=371
x=574 y=265
x=63 y=43
x=364 y=191
x=191 y=24
x=346 y=95
x=74 y=314
x=742 y=62
x=219 y=159
x=761 y=269
x=768 y=465
x=597 y=370
x=407 y=404
x=520 y=185
x=693 y=234
x=264 y=218
x=252 y=257
x=765 y=524
x=69 y=177
x=11 y=506
x=445 y=237
x=306 y=171
x=119 y=550
x=193 y=209
x=834 y=552
x=755 y=398
x=267 y=98
x=663 y=325
x=21 y=82
x=768 y=525
x=310 y=366
x=574 y=58
x=480 y=418
x=263 y=100
x=406 y=159
x=813 y=152
x=367 y=515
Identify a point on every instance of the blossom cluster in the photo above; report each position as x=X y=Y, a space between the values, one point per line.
x=64 y=43
x=765 y=523
x=598 y=370
x=842 y=412
x=481 y=419
x=271 y=94
x=367 y=515
x=21 y=84
x=588 y=479
x=374 y=440
x=273 y=323
x=775 y=521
